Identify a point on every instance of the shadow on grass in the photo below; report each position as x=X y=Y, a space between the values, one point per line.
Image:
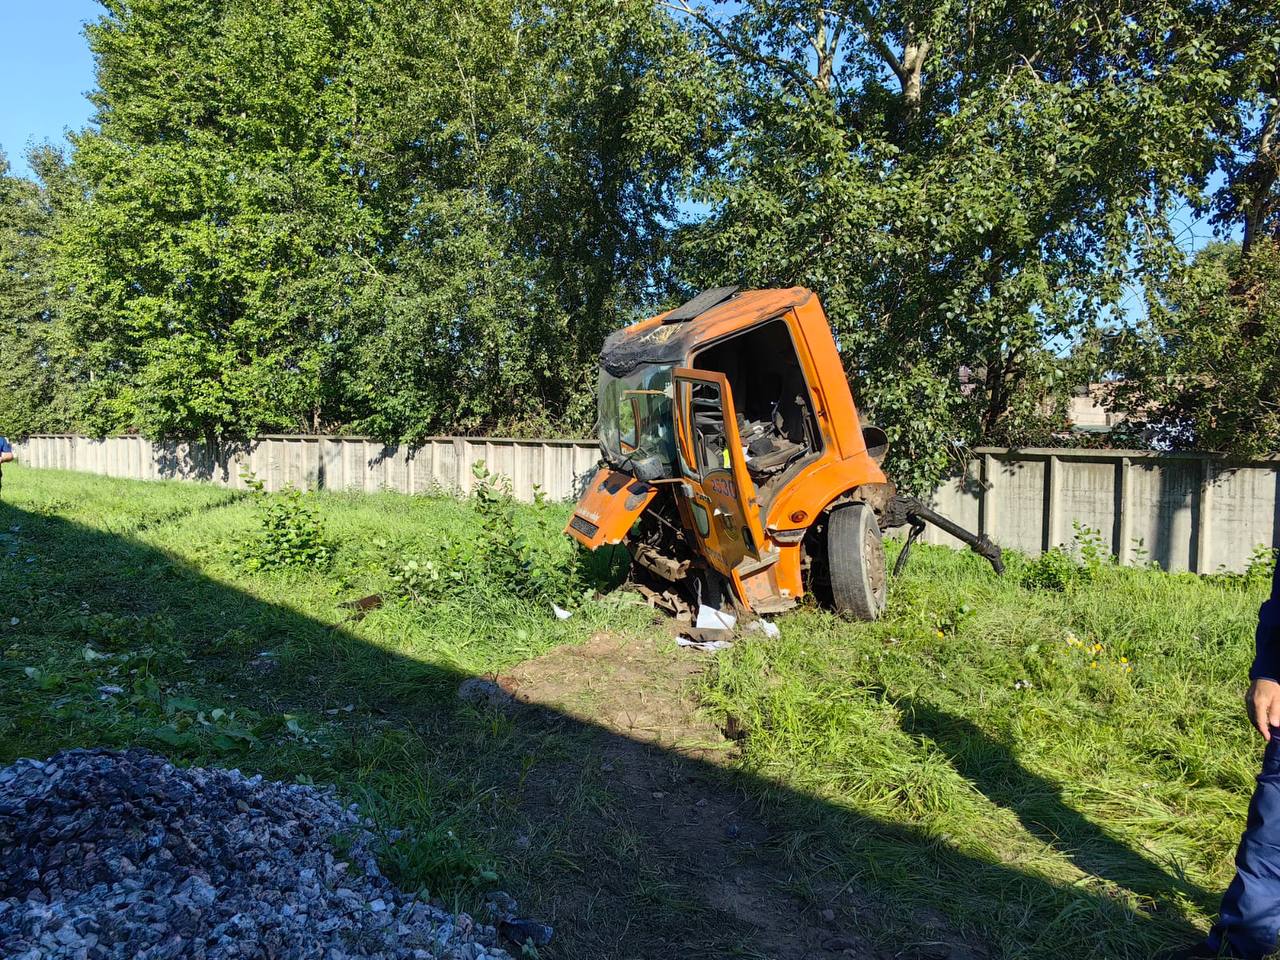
x=619 y=872
x=1038 y=802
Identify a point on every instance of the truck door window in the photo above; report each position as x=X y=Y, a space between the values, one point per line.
x=628 y=423
x=704 y=412
x=708 y=428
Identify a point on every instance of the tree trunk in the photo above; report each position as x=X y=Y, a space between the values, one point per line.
x=913 y=57
x=997 y=396
x=1260 y=176
x=822 y=47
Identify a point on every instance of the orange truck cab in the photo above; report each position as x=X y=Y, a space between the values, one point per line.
x=735 y=467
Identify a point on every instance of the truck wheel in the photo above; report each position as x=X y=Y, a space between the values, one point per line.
x=855 y=556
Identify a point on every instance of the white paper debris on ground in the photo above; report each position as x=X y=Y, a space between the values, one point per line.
x=767 y=627
x=706 y=646
x=560 y=612
x=709 y=618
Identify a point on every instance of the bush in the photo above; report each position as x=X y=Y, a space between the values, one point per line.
x=1053 y=570
x=1262 y=566
x=498 y=558
x=290 y=533
x=427 y=581
x=1257 y=572
x=1061 y=568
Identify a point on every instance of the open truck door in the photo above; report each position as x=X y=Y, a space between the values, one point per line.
x=716 y=491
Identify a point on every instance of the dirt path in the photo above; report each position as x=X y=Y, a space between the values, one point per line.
x=659 y=850
x=638 y=689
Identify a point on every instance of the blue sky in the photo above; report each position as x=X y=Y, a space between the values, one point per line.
x=45 y=71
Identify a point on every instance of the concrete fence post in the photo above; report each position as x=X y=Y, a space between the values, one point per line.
x=462 y=452
x=1052 y=503
x=1124 y=511
x=1204 y=517
x=985 y=484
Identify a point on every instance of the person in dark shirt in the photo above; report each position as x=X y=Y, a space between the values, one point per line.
x=1249 y=918
x=6 y=455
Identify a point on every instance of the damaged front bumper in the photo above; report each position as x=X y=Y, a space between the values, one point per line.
x=608 y=507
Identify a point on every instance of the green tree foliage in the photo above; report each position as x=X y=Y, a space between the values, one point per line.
x=1200 y=369
x=394 y=217
x=539 y=220
x=1247 y=129
x=404 y=218
x=1203 y=369
x=29 y=344
x=212 y=259
x=969 y=184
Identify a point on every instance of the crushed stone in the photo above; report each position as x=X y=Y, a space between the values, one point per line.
x=120 y=854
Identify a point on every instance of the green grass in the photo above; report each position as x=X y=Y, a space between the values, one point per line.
x=142 y=586
x=1093 y=738
x=961 y=763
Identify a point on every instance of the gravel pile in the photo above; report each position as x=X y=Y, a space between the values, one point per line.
x=108 y=854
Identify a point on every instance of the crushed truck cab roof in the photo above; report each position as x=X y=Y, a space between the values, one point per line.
x=662 y=339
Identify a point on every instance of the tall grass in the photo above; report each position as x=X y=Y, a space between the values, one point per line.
x=1093 y=737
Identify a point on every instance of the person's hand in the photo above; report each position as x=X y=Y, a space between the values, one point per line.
x=1263 y=703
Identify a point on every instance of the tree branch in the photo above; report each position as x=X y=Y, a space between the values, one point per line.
x=909 y=67
x=797 y=76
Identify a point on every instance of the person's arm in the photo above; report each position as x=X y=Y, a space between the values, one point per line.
x=1263 y=698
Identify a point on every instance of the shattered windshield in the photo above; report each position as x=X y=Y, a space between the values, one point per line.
x=635 y=417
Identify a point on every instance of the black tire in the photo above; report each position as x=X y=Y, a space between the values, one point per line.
x=855 y=557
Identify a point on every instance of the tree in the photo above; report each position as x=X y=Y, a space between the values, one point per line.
x=391 y=217
x=1202 y=370
x=969 y=185
x=1248 y=123
x=213 y=255
x=30 y=396
x=537 y=219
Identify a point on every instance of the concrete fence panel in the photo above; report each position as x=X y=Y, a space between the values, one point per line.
x=1185 y=511
x=555 y=468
